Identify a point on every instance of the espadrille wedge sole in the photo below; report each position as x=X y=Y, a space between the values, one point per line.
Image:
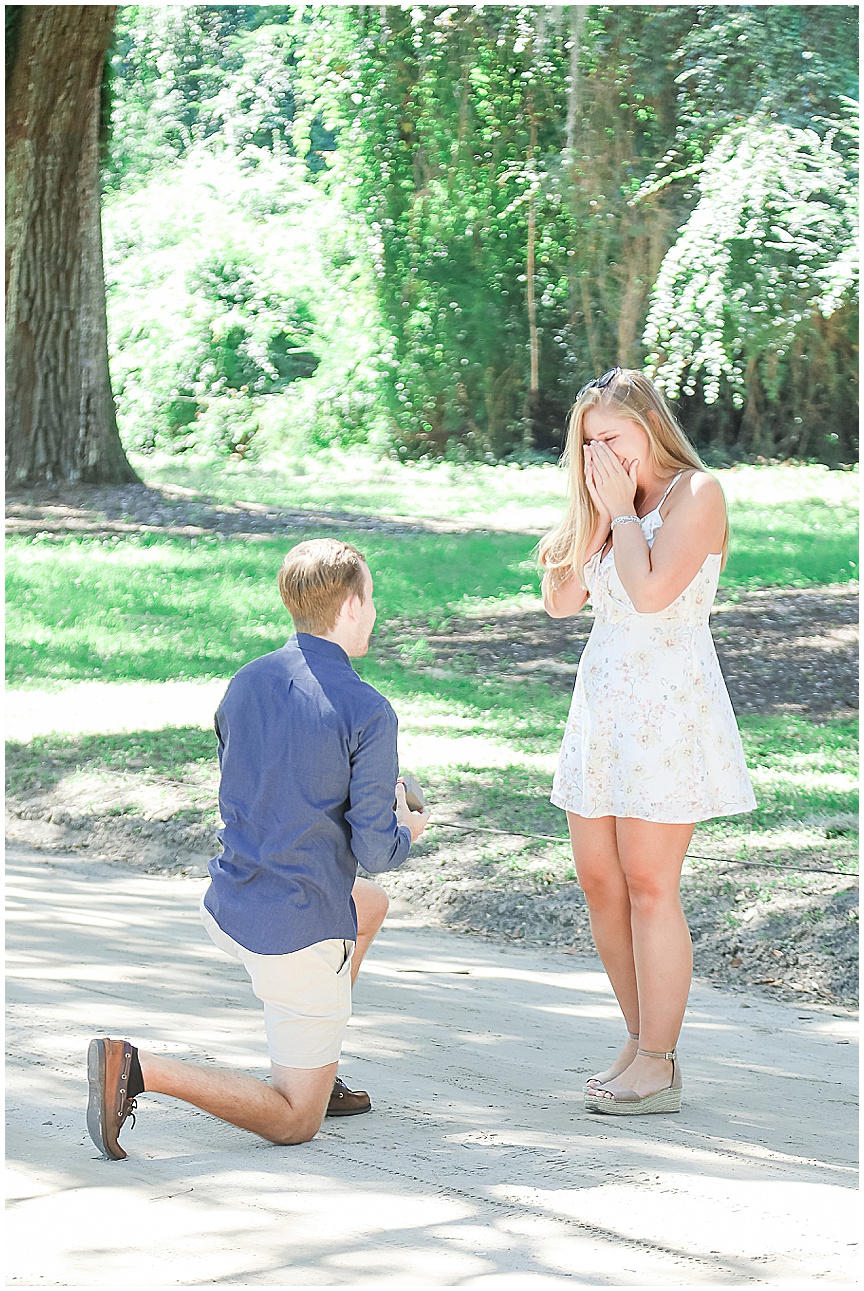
x=627 y=1103
x=594 y=1082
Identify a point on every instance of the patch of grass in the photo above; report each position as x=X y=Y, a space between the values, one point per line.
x=802 y=770
x=182 y=753
x=525 y=716
x=158 y=608
x=793 y=525
x=470 y=492
x=151 y=608
x=357 y=481
x=803 y=773
x=792 y=544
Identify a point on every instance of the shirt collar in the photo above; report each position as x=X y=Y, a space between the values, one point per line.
x=306 y=643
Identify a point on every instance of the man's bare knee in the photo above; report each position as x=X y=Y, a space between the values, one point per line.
x=307 y=1130
x=295 y=1125
x=371 y=903
x=303 y=1133
x=306 y=1092
x=382 y=905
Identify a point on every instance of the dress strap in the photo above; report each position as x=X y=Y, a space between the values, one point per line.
x=668 y=491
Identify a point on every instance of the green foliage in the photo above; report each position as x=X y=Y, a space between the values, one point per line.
x=770 y=245
x=182 y=75
x=485 y=206
x=504 y=183
x=496 y=153
x=795 y=62
x=230 y=283
x=12 y=31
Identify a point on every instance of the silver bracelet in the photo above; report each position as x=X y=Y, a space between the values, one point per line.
x=624 y=520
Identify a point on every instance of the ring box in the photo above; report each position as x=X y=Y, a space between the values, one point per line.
x=413 y=793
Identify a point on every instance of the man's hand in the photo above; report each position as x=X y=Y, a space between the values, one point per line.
x=414 y=821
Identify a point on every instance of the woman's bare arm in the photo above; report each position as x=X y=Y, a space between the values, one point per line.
x=693 y=528
x=569 y=596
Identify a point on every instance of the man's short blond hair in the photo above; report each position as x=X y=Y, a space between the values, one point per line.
x=316 y=579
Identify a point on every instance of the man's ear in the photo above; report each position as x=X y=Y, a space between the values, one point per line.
x=351 y=606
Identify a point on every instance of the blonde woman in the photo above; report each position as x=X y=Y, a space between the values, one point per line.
x=651 y=745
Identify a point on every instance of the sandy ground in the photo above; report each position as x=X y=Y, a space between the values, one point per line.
x=477 y=1167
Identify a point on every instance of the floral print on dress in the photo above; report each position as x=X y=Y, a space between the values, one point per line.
x=651 y=731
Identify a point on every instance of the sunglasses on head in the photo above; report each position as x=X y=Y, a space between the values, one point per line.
x=600 y=383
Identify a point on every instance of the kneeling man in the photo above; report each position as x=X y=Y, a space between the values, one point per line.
x=308 y=767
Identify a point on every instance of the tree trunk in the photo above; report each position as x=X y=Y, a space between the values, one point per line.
x=60 y=416
x=574 y=88
x=533 y=335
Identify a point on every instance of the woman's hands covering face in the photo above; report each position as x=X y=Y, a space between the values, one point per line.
x=611 y=482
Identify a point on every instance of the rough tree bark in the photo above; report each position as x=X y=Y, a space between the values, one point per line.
x=60 y=416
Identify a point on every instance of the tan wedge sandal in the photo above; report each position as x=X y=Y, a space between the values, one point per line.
x=594 y=1082
x=625 y=1102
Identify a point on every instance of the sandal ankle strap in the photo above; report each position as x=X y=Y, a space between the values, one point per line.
x=650 y=1053
x=631 y=1035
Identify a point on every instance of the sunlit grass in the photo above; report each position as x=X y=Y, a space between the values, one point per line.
x=158 y=609
x=792 y=525
x=151 y=607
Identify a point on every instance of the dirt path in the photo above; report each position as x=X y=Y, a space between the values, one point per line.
x=477 y=1167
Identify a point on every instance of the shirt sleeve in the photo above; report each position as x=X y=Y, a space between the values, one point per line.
x=378 y=841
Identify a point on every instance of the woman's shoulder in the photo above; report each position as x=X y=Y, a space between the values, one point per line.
x=697 y=483
x=697 y=492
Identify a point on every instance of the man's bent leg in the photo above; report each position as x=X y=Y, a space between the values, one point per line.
x=289 y=1110
x=370 y=902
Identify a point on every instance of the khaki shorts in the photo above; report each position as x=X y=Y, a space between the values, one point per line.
x=306 y=996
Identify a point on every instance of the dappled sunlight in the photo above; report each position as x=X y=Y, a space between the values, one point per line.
x=475 y=1056
x=804 y=778
x=472 y=494
x=466 y=752
x=697 y=1215
x=517 y=497
x=746 y=485
x=204 y=607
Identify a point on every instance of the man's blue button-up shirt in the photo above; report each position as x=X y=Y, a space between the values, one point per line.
x=309 y=764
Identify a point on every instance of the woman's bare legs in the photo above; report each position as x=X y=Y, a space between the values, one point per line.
x=598 y=869
x=650 y=856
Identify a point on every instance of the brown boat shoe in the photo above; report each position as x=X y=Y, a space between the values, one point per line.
x=108 y=1066
x=347 y=1102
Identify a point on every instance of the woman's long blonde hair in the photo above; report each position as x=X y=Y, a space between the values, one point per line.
x=631 y=395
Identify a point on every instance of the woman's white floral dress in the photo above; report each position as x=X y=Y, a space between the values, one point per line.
x=651 y=731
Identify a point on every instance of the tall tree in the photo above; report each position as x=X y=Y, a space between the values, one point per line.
x=60 y=417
